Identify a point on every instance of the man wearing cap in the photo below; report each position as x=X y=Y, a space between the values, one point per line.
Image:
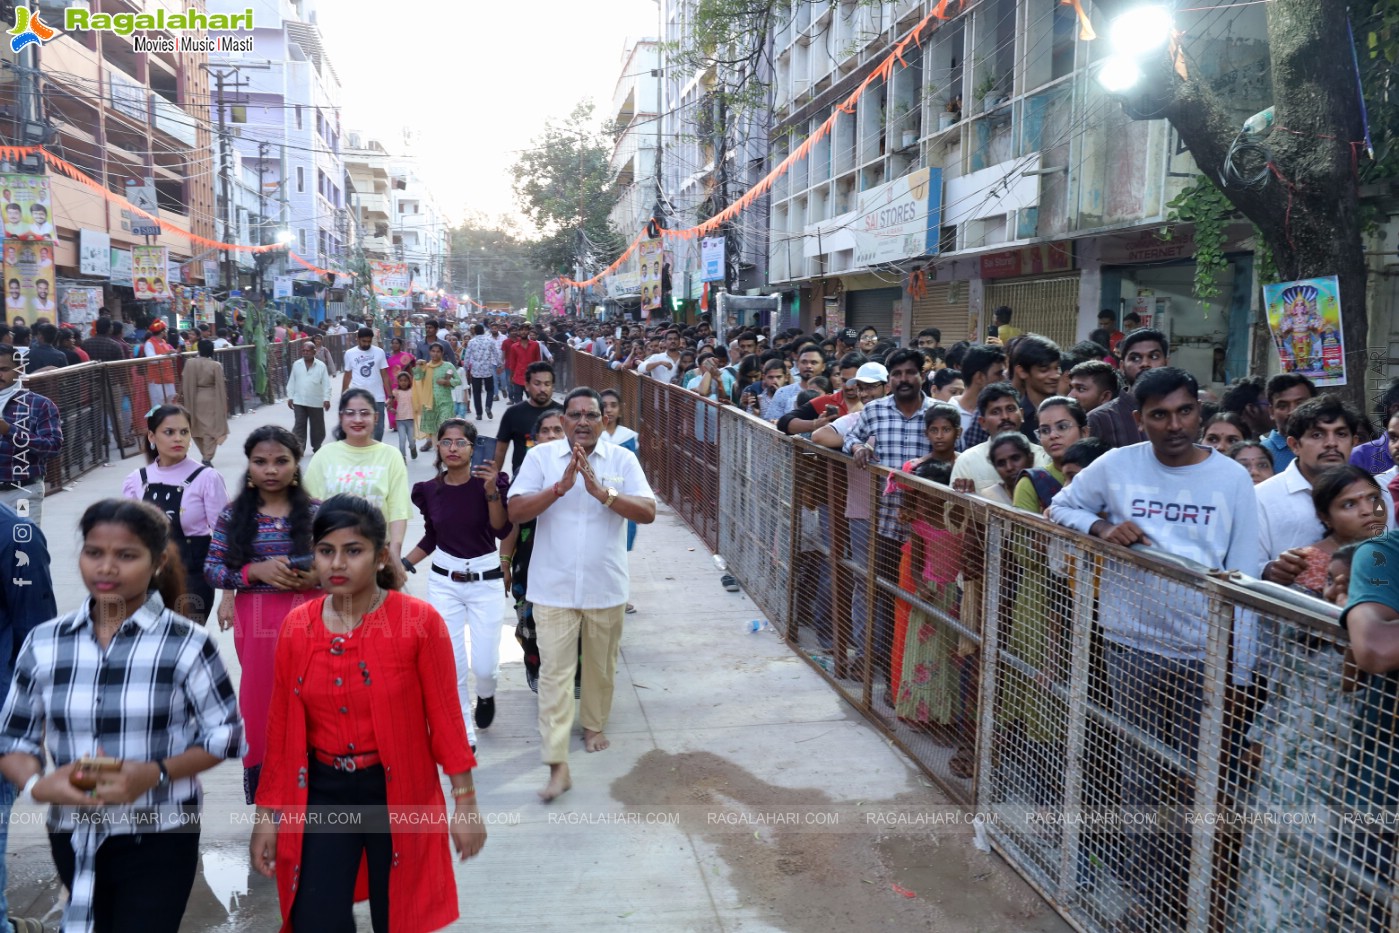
x=160 y=376
x=822 y=410
x=846 y=340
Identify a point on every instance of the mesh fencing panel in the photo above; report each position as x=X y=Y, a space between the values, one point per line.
x=80 y=395
x=1154 y=747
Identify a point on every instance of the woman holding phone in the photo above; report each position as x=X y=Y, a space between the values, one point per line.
x=464 y=518
x=260 y=556
x=132 y=702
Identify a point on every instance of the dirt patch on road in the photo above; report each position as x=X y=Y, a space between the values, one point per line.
x=804 y=876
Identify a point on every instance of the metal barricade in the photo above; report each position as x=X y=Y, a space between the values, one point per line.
x=1153 y=746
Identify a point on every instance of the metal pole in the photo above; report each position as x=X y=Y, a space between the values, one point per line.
x=223 y=178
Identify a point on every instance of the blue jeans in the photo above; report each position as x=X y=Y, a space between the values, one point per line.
x=380 y=419
x=7 y=802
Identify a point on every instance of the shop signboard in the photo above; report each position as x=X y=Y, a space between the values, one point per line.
x=28 y=212
x=94 y=253
x=1040 y=259
x=281 y=287
x=1304 y=318
x=150 y=271
x=29 y=282
x=899 y=220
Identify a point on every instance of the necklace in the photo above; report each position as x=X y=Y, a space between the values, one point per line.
x=337 y=643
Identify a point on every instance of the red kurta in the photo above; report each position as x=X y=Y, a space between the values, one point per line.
x=418 y=726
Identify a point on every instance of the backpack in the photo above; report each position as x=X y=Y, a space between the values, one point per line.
x=1046 y=486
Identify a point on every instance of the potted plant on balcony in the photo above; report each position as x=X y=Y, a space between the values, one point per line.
x=907 y=117
x=986 y=91
x=951 y=112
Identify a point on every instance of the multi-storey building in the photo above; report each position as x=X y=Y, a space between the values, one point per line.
x=992 y=162
x=419 y=230
x=633 y=114
x=281 y=111
x=367 y=165
x=716 y=148
x=124 y=119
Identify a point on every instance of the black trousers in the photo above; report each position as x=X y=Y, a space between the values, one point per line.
x=482 y=385
x=143 y=881
x=312 y=417
x=352 y=815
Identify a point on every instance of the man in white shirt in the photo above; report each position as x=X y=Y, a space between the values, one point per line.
x=1321 y=432
x=308 y=395
x=583 y=494
x=661 y=366
x=999 y=408
x=367 y=368
x=336 y=329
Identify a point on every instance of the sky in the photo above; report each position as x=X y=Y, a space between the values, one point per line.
x=476 y=78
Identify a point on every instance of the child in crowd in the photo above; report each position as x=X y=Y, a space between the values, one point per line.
x=405 y=415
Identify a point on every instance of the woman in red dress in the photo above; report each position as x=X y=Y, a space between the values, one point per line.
x=364 y=711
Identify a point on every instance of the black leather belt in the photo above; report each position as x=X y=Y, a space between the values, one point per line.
x=467 y=576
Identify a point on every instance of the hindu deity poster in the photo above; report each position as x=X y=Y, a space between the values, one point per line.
x=1305 y=320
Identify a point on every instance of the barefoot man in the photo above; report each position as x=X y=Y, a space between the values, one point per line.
x=583 y=493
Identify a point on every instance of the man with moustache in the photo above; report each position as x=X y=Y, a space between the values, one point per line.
x=583 y=494
x=998 y=409
x=1142 y=350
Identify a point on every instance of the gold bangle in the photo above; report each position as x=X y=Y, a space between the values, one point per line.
x=460 y=792
x=506 y=558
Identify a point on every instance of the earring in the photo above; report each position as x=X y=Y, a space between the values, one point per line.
x=251 y=485
x=381 y=566
x=295 y=481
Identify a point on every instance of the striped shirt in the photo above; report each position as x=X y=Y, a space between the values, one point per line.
x=896 y=440
x=158 y=690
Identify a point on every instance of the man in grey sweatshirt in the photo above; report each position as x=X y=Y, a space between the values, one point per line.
x=1172 y=495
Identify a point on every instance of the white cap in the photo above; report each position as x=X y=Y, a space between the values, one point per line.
x=872 y=373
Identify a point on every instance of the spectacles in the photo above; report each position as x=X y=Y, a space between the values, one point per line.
x=589 y=416
x=357 y=413
x=1063 y=427
x=457 y=442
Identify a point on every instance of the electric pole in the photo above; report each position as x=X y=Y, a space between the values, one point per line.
x=219 y=75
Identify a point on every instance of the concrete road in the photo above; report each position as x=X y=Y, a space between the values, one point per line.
x=739 y=794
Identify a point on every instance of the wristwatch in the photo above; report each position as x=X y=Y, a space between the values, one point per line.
x=611 y=497
x=164 y=780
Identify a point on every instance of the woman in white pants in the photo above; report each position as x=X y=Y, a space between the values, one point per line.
x=464 y=518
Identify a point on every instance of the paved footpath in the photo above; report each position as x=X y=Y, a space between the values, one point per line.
x=740 y=793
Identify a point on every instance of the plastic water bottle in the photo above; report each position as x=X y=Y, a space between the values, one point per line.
x=720 y=564
x=1260 y=123
x=756 y=625
x=822 y=662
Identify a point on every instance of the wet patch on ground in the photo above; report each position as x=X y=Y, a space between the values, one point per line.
x=798 y=878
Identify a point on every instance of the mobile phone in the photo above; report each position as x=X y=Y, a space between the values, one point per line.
x=90 y=767
x=483 y=452
x=832 y=411
x=301 y=562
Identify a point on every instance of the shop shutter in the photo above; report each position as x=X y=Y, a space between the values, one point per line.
x=1048 y=306
x=872 y=308
x=944 y=307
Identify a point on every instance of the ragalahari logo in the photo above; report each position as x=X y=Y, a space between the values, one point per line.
x=29 y=29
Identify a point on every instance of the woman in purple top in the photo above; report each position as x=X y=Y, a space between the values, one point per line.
x=190 y=494
x=250 y=559
x=464 y=518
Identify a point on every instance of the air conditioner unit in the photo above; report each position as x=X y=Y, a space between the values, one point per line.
x=236 y=132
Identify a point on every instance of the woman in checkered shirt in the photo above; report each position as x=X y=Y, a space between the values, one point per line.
x=126 y=678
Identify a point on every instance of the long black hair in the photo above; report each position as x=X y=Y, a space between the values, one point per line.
x=345 y=398
x=242 y=521
x=149 y=524
x=363 y=518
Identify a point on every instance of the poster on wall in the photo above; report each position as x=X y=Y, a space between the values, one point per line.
x=94 y=253
x=27 y=214
x=150 y=267
x=392 y=285
x=121 y=267
x=80 y=305
x=281 y=287
x=29 y=280
x=1304 y=318
x=652 y=256
x=712 y=258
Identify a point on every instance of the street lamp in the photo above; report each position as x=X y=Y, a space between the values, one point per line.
x=284 y=237
x=1137 y=70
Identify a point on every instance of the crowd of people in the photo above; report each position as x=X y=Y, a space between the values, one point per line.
x=1273 y=479
x=307 y=559
x=353 y=697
